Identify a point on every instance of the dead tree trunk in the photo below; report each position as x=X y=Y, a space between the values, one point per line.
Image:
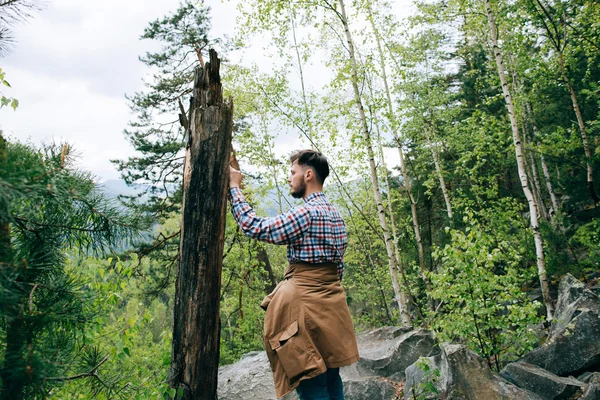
x=196 y=327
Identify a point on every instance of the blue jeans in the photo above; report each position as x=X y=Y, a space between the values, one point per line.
x=327 y=386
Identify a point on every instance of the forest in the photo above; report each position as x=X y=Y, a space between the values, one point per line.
x=464 y=145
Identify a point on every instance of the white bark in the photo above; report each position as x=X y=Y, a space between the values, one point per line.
x=584 y=138
x=533 y=212
x=373 y=169
x=413 y=203
x=545 y=170
x=438 y=169
x=549 y=185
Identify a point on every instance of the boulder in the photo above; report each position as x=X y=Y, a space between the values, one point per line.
x=249 y=378
x=572 y=296
x=542 y=382
x=385 y=353
x=463 y=375
x=422 y=374
x=388 y=351
x=573 y=344
x=368 y=388
x=592 y=391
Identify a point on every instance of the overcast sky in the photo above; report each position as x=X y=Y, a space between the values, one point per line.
x=72 y=65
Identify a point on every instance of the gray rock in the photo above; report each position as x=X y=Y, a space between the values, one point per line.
x=388 y=351
x=415 y=375
x=592 y=391
x=368 y=388
x=542 y=382
x=465 y=376
x=572 y=296
x=573 y=344
x=249 y=378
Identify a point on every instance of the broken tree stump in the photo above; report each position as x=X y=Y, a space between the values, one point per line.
x=196 y=326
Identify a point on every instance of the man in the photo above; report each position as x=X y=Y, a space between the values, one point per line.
x=308 y=332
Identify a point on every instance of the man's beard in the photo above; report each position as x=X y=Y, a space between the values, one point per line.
x=298 y=194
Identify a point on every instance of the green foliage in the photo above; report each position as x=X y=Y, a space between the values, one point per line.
x=426 y=388
x=479 y=287
x=131 y=329
x=5 y=101
x=46 y=208
x=446 y=102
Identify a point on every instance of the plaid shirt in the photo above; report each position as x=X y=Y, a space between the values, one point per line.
x=314 y=232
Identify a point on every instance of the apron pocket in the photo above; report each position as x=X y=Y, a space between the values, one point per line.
x=293 y=352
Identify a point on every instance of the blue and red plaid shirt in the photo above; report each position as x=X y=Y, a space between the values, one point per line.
x=313 y=232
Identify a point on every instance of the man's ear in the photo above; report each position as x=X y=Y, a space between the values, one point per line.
x=309 y=174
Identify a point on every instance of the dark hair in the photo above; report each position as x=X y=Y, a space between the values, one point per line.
x=315 y=160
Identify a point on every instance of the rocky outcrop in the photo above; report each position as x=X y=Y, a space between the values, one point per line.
x=463 y=375
x=542 y=382
x=388 y=351
x=385 y=354
x=452 y=371
x=573 y=344
x=249 y=378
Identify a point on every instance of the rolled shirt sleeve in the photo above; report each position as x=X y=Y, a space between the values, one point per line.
x=288 y=228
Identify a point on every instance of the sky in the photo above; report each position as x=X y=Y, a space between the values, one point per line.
x=72 y=65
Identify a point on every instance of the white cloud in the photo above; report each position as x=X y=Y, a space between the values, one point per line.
x=70 y=69
x=74 y=61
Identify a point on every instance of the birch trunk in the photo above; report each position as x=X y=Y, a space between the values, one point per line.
x=413 y=204
x=545 y=170
x=549 y=185
x=416 y=226
x=373 y=169
x=533 y=212
x=534 y=177
x=584 y=138
x=438 y=170
x=401 y=296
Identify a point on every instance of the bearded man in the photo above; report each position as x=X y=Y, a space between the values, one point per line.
x=308 y=332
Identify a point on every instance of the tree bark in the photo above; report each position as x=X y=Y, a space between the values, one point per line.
x=584 y=138
x=263 y=257
x=404 y=172
x=533 y=175
x=545 y=170
x=533 y=212
x=196 y=327
x=373 y=169
x=399 y=292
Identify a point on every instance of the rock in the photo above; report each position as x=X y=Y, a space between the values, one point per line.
x=415 y=375
x=572 y=296
x=388 y=351
x=541 y=382
x=384 y=350
x=465 y=376
x=573 y=344
x=592 y=391
x=249 y=378
x=368 y=388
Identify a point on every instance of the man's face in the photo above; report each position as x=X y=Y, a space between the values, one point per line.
x=296 y=181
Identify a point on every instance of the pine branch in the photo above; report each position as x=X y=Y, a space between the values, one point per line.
x=92 y=373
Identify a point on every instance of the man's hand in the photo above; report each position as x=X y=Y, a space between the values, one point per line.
x=235 y=177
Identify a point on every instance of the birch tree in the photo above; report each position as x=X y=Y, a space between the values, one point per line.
x=533 y=212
